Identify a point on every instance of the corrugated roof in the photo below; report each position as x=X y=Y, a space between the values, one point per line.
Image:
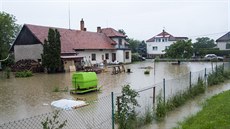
x=224 y=38
x=74 y=39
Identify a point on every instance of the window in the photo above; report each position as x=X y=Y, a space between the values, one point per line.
x=93 y=57
x=126 y=55
x=228 y=46
x=154 y=48
x=157 y=40
x=106 y=56
x=163 y=40
x=120 y=41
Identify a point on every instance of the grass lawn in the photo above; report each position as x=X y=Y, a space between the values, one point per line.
x=214 y=115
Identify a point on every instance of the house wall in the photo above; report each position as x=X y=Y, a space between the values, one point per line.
x=67 y=64
x=160 y=47
x=121 y=56
x=87 y=55
x=221 y=45
x=28 y=52
x=117 y=41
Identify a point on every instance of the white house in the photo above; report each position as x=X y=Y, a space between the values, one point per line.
x=156 y=45
x=77 y=46
x=223 y=43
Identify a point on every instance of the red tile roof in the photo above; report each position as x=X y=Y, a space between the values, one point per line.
x=110 y=32
x=74 y=39
x=166 y=34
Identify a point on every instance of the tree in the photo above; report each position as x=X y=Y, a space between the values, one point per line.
x=133 y=45
x=203 y=43
x=51 y=57
x=180 y=49
x=8 y=32
x=126 y=113
x=122 y=31
x=142 y=50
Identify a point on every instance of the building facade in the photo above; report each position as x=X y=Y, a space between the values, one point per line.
x=157 y=45
x=223 y=43
x=78 y=47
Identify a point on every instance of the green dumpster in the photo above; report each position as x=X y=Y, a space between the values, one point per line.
x=84 y=81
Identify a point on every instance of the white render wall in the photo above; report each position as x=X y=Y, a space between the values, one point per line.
x=87 y=54
x=28 y=52
x=121 y=56
x=160 y=47
x=221 y=45
x=117 y=41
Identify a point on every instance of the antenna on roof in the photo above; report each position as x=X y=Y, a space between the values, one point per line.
x=69 y=12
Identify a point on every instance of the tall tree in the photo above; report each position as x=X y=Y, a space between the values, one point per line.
x=51 y=57
x=142 y=50
x=8 y=32
x=203 y=43
x=180 y=49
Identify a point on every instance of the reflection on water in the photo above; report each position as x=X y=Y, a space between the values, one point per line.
x=25 y=97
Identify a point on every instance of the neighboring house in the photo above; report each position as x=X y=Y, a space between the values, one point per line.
x=223 y=43
x=78 y=47
x=157 y=45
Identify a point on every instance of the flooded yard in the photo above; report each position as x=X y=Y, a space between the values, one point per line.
x=26 y=97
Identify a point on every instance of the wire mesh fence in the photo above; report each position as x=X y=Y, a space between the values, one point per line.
x=98 y=114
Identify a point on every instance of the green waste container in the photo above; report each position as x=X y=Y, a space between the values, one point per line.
x=84 y=80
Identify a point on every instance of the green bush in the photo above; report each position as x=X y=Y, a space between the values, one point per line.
x=22 y=74
x=218 y=76
x=135 y=57
x=7 y=72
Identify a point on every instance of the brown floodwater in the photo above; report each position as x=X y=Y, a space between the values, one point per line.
x=26 y=97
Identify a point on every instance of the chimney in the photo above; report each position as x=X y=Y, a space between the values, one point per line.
x=98 y=29
x=163 y=33
x=82 y=26
x=85 y=29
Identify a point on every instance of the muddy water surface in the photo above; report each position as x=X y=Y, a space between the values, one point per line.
x=25 y=97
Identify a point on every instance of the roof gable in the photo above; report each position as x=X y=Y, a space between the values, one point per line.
x=25 y=37
x=224 y=38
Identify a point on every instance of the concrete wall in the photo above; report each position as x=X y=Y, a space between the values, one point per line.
x=28 y=52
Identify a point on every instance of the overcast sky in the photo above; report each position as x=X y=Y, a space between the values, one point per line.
x=140 y=19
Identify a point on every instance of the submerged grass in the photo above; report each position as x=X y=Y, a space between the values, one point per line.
x=214 y=115
x=179 y=99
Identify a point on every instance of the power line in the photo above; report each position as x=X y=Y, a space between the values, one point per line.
x=218 y=33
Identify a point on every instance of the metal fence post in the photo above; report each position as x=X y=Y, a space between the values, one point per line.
x=154 y=89
x=112 y=110
x=164 y=88
x=190 y=80
x=205 y=72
